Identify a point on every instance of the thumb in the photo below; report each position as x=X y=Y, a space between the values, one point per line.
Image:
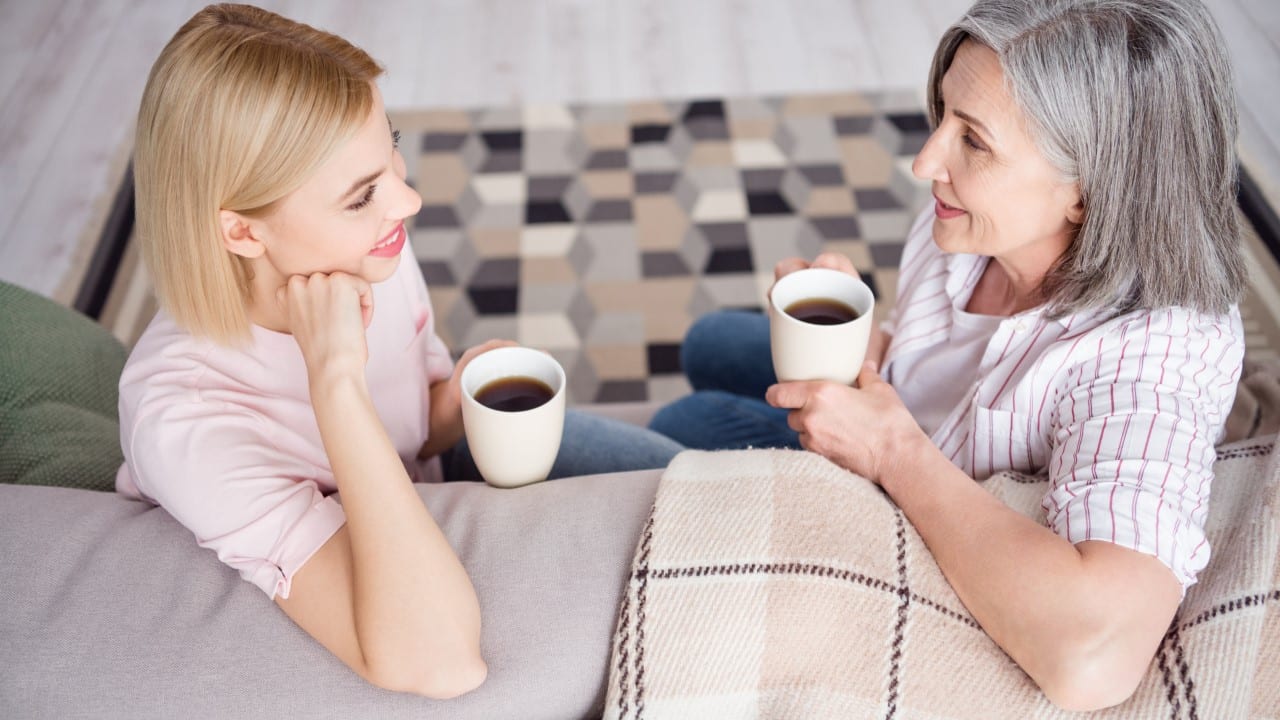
x=366 y=306
x=869 y=375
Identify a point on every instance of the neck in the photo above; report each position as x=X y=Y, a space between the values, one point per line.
x=1015 y=288
x=265 y=310
x=1011 y=285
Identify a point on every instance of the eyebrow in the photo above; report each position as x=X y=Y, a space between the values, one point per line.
x=974 y=121
x=359 y=184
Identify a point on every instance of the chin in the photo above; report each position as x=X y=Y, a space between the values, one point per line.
x=948 y=242
x=377 y=270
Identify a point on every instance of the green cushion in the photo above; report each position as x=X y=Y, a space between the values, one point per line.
x=59 y=376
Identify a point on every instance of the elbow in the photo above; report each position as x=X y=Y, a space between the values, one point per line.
x=440 y=680
x=1087 y=679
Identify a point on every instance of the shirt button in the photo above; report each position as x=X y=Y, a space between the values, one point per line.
x=1019 y=326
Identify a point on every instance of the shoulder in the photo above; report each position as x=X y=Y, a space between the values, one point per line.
x=181 y=451
x=1161 y=352
x=1161 y=331
x=164 y=361
x=190 y=408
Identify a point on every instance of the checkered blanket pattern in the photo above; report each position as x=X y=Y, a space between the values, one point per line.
x=773 y=584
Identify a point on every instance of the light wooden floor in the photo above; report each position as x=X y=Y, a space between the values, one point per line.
x=72 y=71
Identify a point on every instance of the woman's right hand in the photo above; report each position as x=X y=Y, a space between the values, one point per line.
x=328 y=314
x=879 y=340
x=834 y=261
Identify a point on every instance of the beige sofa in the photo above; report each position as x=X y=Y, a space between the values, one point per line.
x=108 y=609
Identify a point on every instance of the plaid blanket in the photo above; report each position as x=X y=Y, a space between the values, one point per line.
x=773 y=584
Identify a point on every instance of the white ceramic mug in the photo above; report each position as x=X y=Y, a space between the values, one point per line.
x=513 y=448
x=806 y=351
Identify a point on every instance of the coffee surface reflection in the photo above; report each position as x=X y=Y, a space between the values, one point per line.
x=821 y=311
x=514 y=394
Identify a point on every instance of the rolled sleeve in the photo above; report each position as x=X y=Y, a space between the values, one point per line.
x=1132 y=462
x=321 y=518
x=217 y=472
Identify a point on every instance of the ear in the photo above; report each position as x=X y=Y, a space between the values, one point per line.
x=1075 y=205
x=239 y=235
x=1075 y=213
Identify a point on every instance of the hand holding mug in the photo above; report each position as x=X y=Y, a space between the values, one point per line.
x=513 y=404
x=831 y=261
x=866 y=430
x=453 y=397
x=820 y=320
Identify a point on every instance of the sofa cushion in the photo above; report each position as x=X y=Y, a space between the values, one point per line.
x=58 y=386
x=110 y=610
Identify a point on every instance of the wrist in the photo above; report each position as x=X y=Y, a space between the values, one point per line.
x=906 y=459
x=334 y=387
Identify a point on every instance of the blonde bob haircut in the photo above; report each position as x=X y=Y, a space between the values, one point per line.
x=241 y=107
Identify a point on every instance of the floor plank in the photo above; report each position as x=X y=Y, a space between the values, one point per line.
x=22 y=26
x=48 y=96
x=1256 y=63
x=903 y=41
x=70 y=78
x=48 y=226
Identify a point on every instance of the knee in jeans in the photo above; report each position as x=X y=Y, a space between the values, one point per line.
x=699 y=349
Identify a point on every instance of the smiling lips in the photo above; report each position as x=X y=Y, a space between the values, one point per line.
x=945 y=211
x=391 y=245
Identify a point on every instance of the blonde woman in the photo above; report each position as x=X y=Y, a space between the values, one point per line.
x=295 y=354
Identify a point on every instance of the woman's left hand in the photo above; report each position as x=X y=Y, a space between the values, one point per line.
x=444 y=427
x=864 y=429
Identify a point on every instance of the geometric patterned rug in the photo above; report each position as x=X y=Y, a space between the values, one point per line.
x=600 y=232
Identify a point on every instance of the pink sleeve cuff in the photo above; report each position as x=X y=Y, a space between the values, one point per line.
x=312 y=531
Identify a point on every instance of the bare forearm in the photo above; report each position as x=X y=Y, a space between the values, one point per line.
x=445 y=422
x=1062 y=612
x=412 y=599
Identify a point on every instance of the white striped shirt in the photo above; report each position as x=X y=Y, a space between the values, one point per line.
x=1121 y=414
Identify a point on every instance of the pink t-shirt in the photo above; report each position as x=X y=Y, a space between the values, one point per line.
x=225 y=439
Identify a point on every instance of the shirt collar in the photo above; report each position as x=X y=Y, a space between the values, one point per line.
x=963 y=272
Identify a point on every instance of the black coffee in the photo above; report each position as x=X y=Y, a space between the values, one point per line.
x=821 y=311
x=514 y=394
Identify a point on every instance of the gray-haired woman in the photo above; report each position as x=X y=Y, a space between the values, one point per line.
x=1066 y=307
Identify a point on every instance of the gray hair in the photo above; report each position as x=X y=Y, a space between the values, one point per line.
x=1132 y=100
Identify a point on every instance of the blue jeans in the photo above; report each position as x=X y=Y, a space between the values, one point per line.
x=589 y=445
x=727 y=360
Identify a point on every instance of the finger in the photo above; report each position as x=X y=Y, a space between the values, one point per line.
x=293 y=292
x=835 y=261
x=488 y=345
x=481 y=349
x=788 y=266
x=366 y=304
x=795 y=421
x=868 y=376
x=806 y=441
x=789 y=395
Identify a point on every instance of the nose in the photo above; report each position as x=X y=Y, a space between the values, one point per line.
x=406 y=200
x=930 y=162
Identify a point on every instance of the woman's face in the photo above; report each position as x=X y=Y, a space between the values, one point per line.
x=995 y=193
x=348 y=216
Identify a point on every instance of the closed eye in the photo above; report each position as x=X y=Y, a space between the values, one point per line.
x=969 y=140
x=364 y=199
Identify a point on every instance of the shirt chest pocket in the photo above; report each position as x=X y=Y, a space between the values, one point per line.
x=1004 y=440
